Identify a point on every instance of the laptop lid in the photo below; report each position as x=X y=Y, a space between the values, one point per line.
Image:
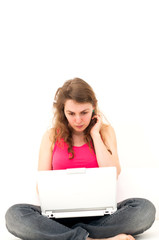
x=77 y=192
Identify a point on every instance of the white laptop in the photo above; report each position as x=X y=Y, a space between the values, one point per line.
x=77 y=192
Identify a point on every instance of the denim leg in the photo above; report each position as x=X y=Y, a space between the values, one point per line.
x=133 y=216
x=26 y=222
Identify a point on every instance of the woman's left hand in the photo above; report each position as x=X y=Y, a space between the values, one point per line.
x=97 y=126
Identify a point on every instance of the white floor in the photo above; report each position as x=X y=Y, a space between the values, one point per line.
x=151 y=234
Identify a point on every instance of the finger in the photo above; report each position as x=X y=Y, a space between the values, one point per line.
x=95 y=116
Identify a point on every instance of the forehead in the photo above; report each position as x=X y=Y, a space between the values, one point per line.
x=74 y=106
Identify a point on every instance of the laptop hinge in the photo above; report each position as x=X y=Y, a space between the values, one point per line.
x=80 y=213
x=110 y=210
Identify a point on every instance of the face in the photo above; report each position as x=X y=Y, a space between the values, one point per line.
x=78 y=115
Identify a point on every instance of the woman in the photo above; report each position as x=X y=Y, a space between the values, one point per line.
x=78 y=132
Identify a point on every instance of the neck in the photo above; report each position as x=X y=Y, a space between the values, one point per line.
x=77 y=133
x=78 y=138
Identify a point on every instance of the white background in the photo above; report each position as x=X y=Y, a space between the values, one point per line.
x=113 y=45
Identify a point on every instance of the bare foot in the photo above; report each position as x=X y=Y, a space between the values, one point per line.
x=123 y=237
x=118 y=237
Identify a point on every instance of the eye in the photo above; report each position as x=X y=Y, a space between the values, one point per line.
x=71 y=114
x=83 y=113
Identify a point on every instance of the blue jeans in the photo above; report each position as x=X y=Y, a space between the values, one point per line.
x=133 y=216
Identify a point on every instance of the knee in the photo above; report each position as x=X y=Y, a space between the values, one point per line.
x=12 y=212
x=12 y=215
x=15 y=216
x=146 y=212
x=140 y=214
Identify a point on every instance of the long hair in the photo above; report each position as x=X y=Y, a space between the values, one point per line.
x=80 y=91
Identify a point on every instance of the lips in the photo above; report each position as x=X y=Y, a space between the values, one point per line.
x=80 y=126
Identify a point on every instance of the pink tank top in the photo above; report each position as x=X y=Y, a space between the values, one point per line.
x=83 y=157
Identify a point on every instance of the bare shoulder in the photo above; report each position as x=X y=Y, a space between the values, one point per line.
x=47 y=139
x=48 y=136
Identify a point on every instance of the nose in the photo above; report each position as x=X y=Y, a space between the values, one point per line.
x=78 y=119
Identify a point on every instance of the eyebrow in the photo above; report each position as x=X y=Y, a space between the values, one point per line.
x=80 y=112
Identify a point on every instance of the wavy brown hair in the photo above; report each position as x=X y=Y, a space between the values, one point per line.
x=80 y=91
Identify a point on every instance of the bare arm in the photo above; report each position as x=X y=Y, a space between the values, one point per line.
x=45 y=153
x=106 y=148
x=105 y=144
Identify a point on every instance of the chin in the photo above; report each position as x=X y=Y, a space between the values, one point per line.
x=79 y=130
